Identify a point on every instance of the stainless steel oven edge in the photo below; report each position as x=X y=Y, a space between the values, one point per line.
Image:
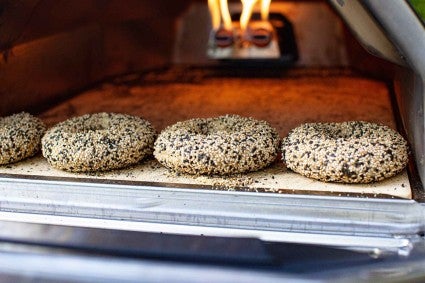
x=360 y=223
x=407 y=33
x=401 y=41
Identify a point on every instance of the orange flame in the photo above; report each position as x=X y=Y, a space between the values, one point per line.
x=265 y=8
x=247 y=8
x=225 y=14
x=215 y=13
x=220 y=13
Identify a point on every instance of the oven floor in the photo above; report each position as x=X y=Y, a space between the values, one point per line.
x=285 y=100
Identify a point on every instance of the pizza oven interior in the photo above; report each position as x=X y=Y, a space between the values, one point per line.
x=62 y=59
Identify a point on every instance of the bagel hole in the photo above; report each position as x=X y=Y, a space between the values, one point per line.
x=217 y=127
x=93 y=127
x=212 y=128
x=344 y=132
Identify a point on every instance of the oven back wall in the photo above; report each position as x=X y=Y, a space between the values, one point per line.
x=50 y=50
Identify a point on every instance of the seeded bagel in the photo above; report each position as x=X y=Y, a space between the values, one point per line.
x=221 y=146
x=20 y=136
x=348 y=152
x=98 y=142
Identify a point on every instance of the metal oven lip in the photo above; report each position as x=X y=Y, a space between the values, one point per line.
x=342 y=221
x=261 y=191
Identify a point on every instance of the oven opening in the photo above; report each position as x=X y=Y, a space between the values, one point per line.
x=285 y=62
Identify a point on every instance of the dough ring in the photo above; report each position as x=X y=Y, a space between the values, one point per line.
x=98 y=142
x=20 y=136
x=348 y=152
x=222 y=145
